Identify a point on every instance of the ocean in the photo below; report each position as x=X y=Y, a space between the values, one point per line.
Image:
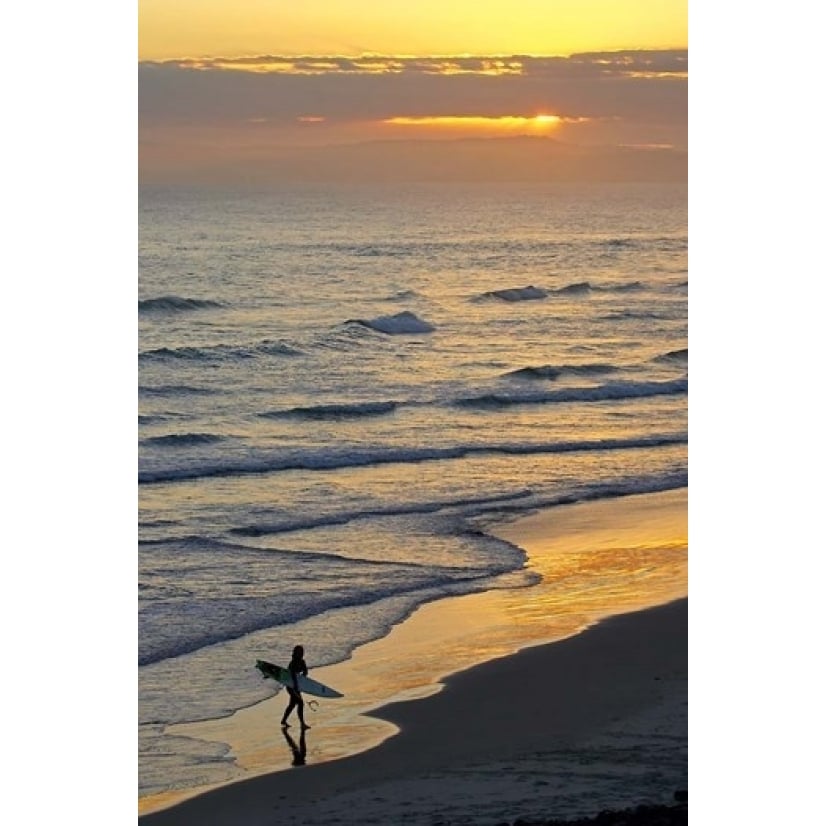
x=342 y=387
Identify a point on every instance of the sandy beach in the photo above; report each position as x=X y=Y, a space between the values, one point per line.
x=565 y=699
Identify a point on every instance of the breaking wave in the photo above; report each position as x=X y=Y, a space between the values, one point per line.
x=403 y=323
x=174 y=304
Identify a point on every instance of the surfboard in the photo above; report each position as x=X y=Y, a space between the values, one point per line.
x=306 y=685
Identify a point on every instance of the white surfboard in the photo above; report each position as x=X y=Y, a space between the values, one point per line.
x=306 y=685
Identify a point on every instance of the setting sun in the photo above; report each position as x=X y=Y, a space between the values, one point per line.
x=476 y=125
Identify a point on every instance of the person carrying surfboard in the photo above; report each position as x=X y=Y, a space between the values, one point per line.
x=297 y=666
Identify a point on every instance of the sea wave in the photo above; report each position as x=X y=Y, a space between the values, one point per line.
x=175 y=304
x=529 y=293
x=332 y=458
x=607 y=392
x=403 y=323
x=551 y=372
x=220 y=352
x=164 y=390
x=192 y=621
x=674 y=357
x=184 y=439
x=633 y=286
x=635 y=315
x=586 y=287
x=580 y=288
x=380 y=251
x=334 y=411
x=674 y=479
x=342 y=518
x=170 y=628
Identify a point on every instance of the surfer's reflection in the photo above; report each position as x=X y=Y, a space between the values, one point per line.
x=299 y=751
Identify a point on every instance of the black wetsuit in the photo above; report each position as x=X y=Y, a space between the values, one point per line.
x=297 y=666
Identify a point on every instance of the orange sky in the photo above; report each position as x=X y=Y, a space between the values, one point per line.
x=234 y=28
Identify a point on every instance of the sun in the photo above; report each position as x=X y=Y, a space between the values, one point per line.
x=470 y=125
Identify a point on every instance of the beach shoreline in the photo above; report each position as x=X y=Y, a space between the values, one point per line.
x=503 y=731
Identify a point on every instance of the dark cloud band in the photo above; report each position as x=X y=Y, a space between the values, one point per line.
x=601 y=63
x=640 y=85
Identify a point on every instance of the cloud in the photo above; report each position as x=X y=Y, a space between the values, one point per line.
x=367 y=65
x=277 y=116
x=631 y=84
x=622 y=63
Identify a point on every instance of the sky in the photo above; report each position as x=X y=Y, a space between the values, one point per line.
x=270 y=90
x=236 y=28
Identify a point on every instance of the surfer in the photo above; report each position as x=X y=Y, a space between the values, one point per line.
x=296 y=667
